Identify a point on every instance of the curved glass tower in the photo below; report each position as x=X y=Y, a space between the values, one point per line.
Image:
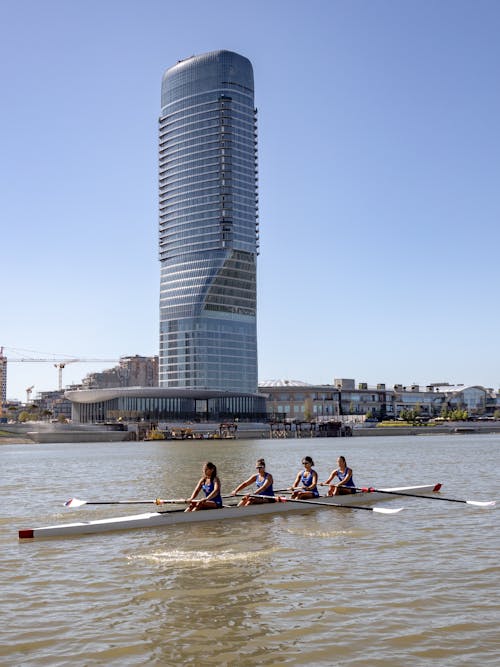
x=208 y=224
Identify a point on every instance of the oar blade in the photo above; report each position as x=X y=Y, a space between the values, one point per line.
x=386 y=510
x=481 y=503
x=74 y=502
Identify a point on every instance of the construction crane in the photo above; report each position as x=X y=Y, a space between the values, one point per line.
x=58 y=363
x=61 y=364
x=3 y=381
x=28 y=393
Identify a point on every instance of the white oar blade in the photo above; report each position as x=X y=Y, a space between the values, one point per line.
x=481 y=503
x=74 y=502
x=385 y=510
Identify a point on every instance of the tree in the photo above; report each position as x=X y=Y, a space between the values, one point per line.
x=409 y=416
x=458 y=415
x=308 y=409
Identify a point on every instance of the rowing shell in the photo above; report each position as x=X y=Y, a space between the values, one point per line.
x=175 y=517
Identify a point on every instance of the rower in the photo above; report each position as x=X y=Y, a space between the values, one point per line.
x=344 y=475
x=309 y=480
x=263 y=486
x=209 y=483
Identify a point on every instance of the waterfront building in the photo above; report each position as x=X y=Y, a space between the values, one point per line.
x=208 y=229
x=300 y=401
x=425 y=401
x=364 y=400
x=208 y=245
x=281 y=401
x=53 y=405
x=132 y=371
x=289 y=400
x=160 y=404
x=472 y=398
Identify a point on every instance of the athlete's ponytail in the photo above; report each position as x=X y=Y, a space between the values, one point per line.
x=213 y=470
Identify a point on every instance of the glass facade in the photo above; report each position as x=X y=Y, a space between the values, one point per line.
x=137 y=404
x=208 y=224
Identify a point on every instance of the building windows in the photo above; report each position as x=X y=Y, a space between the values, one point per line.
x=208 y=215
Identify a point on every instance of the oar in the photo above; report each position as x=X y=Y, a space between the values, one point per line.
x=76 y=502
x=479 y=503
x=381 y=510
x=248 y=493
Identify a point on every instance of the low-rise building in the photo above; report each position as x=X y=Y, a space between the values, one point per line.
x=163 y=404
x=53 y=404
x=292 y=400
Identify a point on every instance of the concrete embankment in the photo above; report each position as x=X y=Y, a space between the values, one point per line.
x=455 y=428
x=39 y=432
x=33 y=433
x=14 y=440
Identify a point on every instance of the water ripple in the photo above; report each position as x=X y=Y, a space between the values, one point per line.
x=344 y=588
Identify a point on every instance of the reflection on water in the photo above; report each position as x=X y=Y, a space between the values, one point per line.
x=197 y=558
x=332 y=587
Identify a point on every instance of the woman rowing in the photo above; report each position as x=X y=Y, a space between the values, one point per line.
x=344 y=475
x=263 y=486
x=308 y=478
x=210 y=485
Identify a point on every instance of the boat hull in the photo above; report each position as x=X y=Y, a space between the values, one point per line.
x=228 y=512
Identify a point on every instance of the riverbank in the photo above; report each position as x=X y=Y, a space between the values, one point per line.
x=43 y=432
x=32 y=433
x=450 y=428
x=5 y=440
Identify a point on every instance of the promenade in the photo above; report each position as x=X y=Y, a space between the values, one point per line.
x=450 y=428
x=32 y=433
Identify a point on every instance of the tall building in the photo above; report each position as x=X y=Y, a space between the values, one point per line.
x=207 y=370
x=208 y=224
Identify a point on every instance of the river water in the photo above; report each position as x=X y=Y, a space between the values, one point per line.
x=328 y=587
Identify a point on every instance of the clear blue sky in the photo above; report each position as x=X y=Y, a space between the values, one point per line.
x=379 y=159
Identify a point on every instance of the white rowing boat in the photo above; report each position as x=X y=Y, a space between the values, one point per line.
x=230 y=511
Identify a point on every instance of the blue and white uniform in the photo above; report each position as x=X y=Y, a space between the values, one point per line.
x=208 y=487
x=307 y=479
x=342 y=475
x=260 y=482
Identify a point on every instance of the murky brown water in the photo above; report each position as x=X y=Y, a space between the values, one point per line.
x=332 y=587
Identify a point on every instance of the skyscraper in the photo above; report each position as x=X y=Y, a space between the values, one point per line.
x=208 y=224
x=208 y=251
